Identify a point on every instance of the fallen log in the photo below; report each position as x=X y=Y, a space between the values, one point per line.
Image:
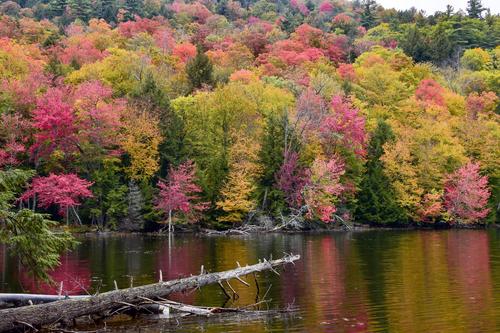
x=30 y=299
x=65 y=311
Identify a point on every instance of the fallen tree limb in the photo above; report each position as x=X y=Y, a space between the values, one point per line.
x=26 y=299
x=65 y=311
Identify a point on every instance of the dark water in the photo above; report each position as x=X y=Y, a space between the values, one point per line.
x=376 y=281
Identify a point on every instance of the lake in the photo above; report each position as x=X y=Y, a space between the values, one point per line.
x=369 y=281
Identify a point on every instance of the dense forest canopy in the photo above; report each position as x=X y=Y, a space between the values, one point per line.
x=128 y=113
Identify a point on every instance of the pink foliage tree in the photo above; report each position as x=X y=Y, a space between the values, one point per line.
x=311 y=109
x=466 y=194
x=344 y=127
x=179 y=193
x=23 y=91
x=63 y=191
x=324 y=188
x=83 y=52
x=98 y=116
x=54 y=119
x=346 y=72
x=429 y=92
x=164 y=39
x=326 y=7
x=13 y=138
x=291 y=180
x=481 y=103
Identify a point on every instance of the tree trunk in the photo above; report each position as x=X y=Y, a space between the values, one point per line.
x=67 y=310
x=169 y=221
x=76 y=215
x=134 y=220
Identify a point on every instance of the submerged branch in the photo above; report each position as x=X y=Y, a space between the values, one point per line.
x=65 y=311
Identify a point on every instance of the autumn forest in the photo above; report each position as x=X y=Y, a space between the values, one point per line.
x=149 y=115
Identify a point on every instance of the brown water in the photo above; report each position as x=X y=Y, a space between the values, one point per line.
x=376 y=281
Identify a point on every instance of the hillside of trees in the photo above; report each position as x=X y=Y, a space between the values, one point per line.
x=129 y=114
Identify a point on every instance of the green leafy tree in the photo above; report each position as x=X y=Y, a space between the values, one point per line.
x=376 y=200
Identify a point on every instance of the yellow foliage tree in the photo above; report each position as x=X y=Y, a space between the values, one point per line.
x=141 y=138
x=121 y=69
x=427 y=148
x=237 y=192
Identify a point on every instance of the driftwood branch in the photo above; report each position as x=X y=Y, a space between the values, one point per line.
x=67 y=310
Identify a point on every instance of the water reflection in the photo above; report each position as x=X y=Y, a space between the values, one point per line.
x=436 y=281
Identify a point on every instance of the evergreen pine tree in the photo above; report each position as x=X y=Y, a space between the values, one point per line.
x=105 y=10
x=376 y=200
x=441 y=47
x=415 y=45
x=199 y=70
x=221 y=7
x=82 y=9
x=57 y=7
x=133 y=7
x=475 y=8
x=368 y=14
x=270 y=159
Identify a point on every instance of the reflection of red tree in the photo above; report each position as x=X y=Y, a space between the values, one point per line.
x=330 y=296
x=468 y=258
x=182 y=260
x=74 y=273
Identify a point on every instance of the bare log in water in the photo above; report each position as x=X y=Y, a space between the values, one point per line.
x=65 y=311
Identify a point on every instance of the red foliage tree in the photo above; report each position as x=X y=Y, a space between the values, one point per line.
x=55 y=121
x=466 y=194
x=255 y=40
x=184 y=51
x=98 y=116
x=138 y=25
x=346 y=72
x=429 y=92
x=164 y=39
x=337 y=48
x=195 y=10
x=64 y=191
x=345 y=126
x=291 y=179
x=180 y=193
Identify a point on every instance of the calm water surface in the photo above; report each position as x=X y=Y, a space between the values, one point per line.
x=374 y=281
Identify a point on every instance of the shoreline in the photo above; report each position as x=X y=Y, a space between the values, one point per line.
x=237 y=231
